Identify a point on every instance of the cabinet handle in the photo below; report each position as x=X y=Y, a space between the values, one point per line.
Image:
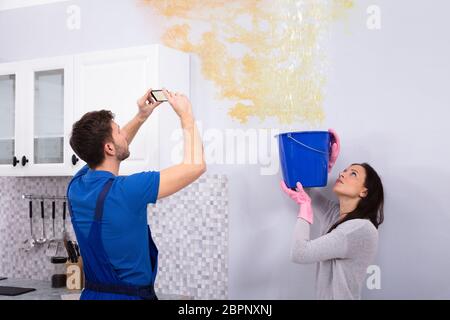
x=15 y=161
x=24 y=161
x=74 y=160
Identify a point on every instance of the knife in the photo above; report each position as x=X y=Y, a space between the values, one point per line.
x=77 y=250
x=71 y=252
x=74 y=252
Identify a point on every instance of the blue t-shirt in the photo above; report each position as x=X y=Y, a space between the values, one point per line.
x=124 y=226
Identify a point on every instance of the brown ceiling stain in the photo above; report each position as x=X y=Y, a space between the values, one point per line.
x=265 y=56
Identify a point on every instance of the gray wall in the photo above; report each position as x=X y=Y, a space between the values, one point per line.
x=387 y=96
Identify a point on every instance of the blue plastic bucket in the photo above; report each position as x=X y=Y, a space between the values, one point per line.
x=304 y=157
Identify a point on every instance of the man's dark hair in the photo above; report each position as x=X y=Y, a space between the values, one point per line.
x=89 y=135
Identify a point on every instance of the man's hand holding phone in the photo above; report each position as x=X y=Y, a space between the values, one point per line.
x=146 y=105
x=153 y=98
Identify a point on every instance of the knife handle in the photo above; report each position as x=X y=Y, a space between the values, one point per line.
x=73 y=254
x=77 y=250
x=69 y=250
x=42 y=209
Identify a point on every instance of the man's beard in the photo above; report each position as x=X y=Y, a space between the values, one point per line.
x=122 y=153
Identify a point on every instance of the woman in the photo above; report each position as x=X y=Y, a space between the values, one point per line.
x=349 y=235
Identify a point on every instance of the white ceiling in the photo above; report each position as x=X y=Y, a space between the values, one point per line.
x=14 y=4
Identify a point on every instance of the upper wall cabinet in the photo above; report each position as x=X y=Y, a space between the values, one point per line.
x=48 y=107
x=43 y=98
x=10 y=149
x=36 y=99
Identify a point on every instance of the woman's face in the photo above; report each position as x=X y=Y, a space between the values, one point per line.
x=350 y=182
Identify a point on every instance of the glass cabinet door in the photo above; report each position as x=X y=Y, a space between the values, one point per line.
x=7 y=118
x=49 y=116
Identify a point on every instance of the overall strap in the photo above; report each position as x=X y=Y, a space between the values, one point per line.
x=101 y=200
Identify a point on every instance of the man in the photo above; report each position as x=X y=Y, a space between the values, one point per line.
x=109 y=212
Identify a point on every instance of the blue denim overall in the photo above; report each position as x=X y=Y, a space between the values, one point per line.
x=101 y=280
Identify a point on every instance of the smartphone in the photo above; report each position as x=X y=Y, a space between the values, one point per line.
x=158 y=95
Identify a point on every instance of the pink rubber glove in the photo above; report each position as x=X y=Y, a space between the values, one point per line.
x=301 y=198
x=335 y=149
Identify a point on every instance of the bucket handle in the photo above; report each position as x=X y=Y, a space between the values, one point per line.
x=304 y=145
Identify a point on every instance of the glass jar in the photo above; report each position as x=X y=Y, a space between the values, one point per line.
x=59 y=276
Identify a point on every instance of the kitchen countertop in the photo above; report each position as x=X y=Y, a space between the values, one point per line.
x=44 y=291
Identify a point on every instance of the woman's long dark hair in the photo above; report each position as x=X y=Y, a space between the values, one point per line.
x=371 y=206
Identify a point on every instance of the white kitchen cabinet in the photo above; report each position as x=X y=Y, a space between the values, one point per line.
x=10 y=124
x=41 y=99
x=114 y=80
x=49 y=116
x=36 y=103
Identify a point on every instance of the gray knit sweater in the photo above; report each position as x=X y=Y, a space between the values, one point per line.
x=343 y=255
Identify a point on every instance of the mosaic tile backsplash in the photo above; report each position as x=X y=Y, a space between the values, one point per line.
x=190 y=229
